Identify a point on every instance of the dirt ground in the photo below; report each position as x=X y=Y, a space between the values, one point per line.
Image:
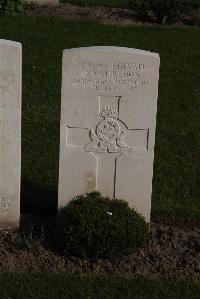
x=105 y=15
x=173 y=251
x=71 y=12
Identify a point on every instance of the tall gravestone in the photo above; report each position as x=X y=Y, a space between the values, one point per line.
x=10 y=131
x=108 y=121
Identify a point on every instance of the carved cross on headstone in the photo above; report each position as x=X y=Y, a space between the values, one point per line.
x=109 y=141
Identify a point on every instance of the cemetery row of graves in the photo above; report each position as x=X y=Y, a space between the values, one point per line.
x=174 y=161
x=108 y=121
x=106 y=137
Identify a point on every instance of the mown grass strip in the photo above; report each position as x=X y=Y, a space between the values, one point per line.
x=41 y=285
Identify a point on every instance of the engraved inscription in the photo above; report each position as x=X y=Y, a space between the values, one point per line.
x=116 y=66
x=6 y=204
x=3 y=123
x=104 y=77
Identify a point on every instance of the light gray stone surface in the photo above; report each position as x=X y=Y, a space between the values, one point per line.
x=10 y=131
x=108 y=121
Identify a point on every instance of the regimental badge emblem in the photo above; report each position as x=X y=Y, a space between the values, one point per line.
x=110 y=136
x=109 y=133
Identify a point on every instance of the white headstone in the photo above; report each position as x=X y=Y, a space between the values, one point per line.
x=10 y=131
x=108 y=121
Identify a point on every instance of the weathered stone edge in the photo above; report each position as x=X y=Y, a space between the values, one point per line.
x=11 y=43
x=113 y=49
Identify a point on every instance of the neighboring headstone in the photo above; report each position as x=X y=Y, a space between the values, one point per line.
x=108 y=121
x=43 y=2
x=10 y=131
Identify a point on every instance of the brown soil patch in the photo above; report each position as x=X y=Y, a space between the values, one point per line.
x=102 y=14
x=105 y=15
x=173 y=251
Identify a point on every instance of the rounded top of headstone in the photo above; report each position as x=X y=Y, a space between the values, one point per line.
x=10 y=43
x=113 y=49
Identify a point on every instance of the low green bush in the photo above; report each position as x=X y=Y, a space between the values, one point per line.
x=163 y=11
x=141 y=7
x=194 y=4
x=11 y=7
x=92 y=226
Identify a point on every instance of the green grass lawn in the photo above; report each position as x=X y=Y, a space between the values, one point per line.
x=28 y=286
x=176 y=184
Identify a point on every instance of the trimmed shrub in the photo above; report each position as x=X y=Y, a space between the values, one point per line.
x=194 y=4
x=141 y=7
x=164 y=11
x=11 y=7
x=92 y=226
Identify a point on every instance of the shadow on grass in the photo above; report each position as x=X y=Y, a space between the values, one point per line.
x=38 y=200
x=38 y=218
